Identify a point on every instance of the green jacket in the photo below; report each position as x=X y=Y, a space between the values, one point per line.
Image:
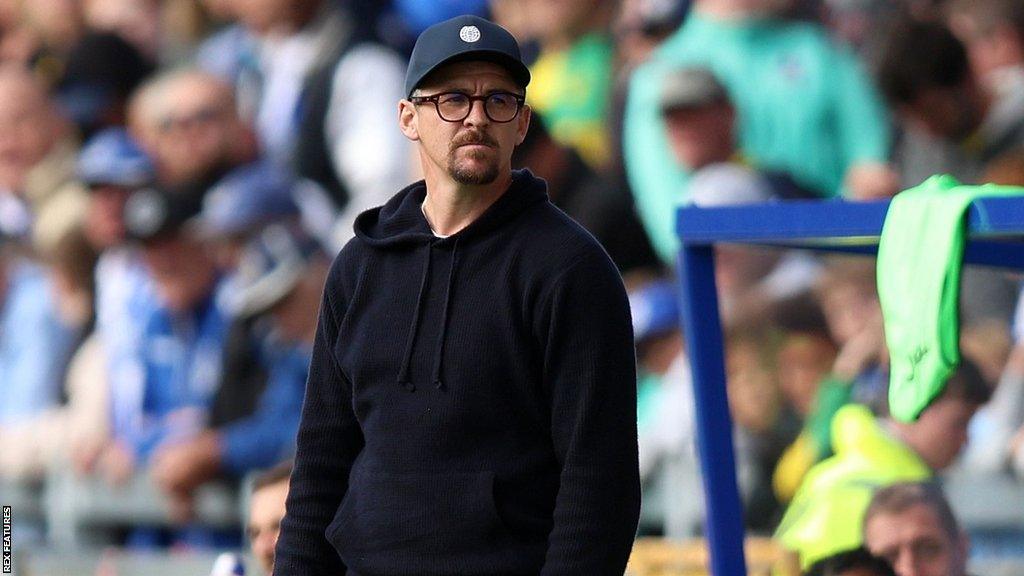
x=826 y=514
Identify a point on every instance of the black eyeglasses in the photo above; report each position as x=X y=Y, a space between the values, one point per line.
x=500 y=107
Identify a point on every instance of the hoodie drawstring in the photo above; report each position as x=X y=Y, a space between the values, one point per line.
x=444 y=317
x=403 y=374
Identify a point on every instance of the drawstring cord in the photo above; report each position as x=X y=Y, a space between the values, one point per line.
x=403 y=374
x=444 y=317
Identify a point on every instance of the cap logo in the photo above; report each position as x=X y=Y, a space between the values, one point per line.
x=469 y=33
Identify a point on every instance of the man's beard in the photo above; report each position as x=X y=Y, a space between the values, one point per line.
x=462 y=171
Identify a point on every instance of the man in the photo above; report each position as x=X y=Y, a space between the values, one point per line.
x=266 y=509
x=37 y=155
x=471 y=405
x=188 y=122
x=825 y=515
x=912 y=526
x=955 y=124
x=280 y=278
x=180 y=341
x=804 y=107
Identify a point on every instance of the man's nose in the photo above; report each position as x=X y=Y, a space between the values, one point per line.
x=477 y=114
x=906 y=564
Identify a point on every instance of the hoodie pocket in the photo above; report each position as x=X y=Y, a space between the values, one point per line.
x=391 y=519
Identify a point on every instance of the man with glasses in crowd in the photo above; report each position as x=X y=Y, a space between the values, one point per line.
x=471 y=404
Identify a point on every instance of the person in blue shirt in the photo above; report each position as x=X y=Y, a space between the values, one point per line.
x=32 y=340
x=279 y=281
x=181 y=337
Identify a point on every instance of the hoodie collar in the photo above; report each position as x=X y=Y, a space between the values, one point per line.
x=401 y=221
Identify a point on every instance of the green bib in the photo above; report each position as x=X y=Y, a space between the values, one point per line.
x=920 y=255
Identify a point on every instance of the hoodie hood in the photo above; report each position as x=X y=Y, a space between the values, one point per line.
x=401 y=221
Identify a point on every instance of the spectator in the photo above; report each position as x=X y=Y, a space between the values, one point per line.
x=954 y=124
x=280 y=277
x=825 y=514
x=113 y=167
x=665 y=426
x=912 y=526
x=234 y=212
x=180 y=339
x=75 y=424
x=856 y=562
x=316 y=69
x=573 y=74
x=836 y=141
x=33 y=341
x=187 y=121
x=37 y=153
x=700 y=119
x=266 y=509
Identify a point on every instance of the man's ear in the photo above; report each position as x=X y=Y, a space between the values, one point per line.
x=407 y=120
x=523 y=122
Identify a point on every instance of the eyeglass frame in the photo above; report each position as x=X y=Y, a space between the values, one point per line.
x=435 y=100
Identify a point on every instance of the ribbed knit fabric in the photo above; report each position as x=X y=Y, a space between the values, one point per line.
x=471 y=406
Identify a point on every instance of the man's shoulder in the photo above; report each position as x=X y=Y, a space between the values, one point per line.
x=549 y=234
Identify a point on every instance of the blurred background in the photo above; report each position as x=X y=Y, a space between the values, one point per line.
x=177 y=175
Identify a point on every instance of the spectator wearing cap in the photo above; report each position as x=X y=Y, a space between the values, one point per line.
x=235 y=211
x=321 y=94
x=280 y=280
x=804 y=106
x=700 y=121
x=480 y=419
x=181 y=337
x=112 y=166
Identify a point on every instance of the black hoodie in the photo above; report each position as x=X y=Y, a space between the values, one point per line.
x=471 y=403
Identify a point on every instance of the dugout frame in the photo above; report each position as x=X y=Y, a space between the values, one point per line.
x=820 y=226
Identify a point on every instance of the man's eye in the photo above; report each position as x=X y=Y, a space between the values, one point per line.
x=454 y=99
x=501 y=99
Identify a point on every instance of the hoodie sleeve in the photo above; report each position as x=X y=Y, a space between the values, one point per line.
x=590 y=378
x=329 y=439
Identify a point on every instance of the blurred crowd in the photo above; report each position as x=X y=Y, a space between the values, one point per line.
x=177 y=175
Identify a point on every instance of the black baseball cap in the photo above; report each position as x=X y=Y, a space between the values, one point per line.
x=464 y=38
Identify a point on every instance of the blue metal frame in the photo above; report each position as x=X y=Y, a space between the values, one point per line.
x=829 y=226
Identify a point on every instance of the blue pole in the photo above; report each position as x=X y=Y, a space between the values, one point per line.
x=703 y=330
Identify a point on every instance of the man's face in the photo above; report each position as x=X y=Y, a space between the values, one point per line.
x=940 y=432
x=476 y=150
x=181 y=268
x=702 y=135
x=104 y=217
x=194 y=130
x=915 y=543
x=265 y=513
x=27 y=129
